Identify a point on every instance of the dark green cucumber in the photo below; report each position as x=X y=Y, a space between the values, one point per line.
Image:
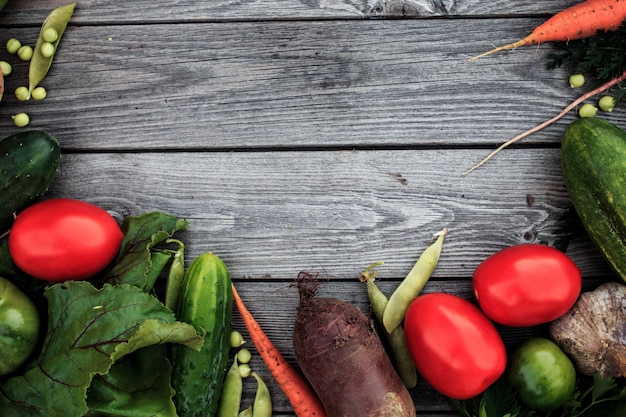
x=29 y=162
x=593 y=160
x=206 y=301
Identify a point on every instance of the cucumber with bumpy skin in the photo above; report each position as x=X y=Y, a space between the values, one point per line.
x=206 y=301
x=593 y=160
x=29 y=162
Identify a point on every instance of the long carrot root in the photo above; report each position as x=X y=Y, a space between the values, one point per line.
x=514 y=45
x=547 y=123
x=297 y=389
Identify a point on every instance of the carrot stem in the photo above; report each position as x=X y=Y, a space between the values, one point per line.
x=547 y=123
x=297 y=389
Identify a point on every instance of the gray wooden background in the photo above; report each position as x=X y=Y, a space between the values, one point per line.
x=312 y=135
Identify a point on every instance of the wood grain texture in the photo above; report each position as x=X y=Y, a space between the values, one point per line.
x=316 y=135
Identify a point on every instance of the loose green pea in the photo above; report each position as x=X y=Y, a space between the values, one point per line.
x=607 y=103
x=13 y=45
x=576 y=80
x=39 y=93
x=244 y=355
x=262 y=406
x=47 y=49
x=25 y=53
x=236 y=339
x=6 y=68
x=21 y=119
x=412 y=284
x=245 y=370
x=21 y=93
x=230 y=400
x=587 y=110
x=50 y=34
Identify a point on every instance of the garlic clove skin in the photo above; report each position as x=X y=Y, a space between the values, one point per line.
x=593 y=332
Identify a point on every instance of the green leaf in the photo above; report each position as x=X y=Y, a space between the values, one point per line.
x=601 y=386
x=135 y=263
x=137 y=386
x=88 y=330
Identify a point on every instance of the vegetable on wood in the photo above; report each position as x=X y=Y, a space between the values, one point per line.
x=593 y=332
x=297 y=389
x=578 y=21
x=593 y=161
x=343 y=358
x=206 y=302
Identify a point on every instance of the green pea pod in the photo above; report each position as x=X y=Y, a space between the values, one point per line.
x=175 y=276
x=40 y=64
x=412 y=284
x=400 y=356
x=246 y=412
x=230 y=400
x=262 y=406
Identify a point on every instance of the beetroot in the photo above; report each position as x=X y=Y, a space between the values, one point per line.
x=343 y=358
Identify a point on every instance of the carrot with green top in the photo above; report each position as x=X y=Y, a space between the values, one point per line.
x=297 y=389
x=576 y=22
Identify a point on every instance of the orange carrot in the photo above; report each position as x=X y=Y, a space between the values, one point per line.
x=576 y=22
x=297 y=389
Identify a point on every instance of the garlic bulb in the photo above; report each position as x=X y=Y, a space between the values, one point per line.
x=593 y=332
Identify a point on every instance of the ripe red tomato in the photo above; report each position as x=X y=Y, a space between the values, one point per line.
x=456 y=348
x=526 y=285
x=64 y=239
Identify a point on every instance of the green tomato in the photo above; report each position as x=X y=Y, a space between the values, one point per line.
x=542 y=374
x=19 y=327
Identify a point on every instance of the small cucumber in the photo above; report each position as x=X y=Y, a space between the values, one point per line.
x=29 y=162
x=593 y=160
x=206 y=301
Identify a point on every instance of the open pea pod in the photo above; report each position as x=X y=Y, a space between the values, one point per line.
x=56 y=22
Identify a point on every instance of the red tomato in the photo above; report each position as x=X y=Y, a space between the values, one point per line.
x=64 y=239
x=526 y=285
x=456 y=348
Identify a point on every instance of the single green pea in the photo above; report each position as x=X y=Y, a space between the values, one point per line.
x=576 y=80
x=39 y=93
x=245 y=370
x=47 y=49
x=6 y=68
x=21 y=93
x=607 y=103
x=25 y=53
x=244 y=355
x=587 y=110
x=21 y=119
x=50 y=34
x=13 y=45
x=236 y=339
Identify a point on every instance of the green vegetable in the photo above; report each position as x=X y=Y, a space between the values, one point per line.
x=40 y=63
x=576 y=80
x=206 y=302
x=400 y=356
x=19 y=327
x=13 y=45
x=21 y=119
x=5 y=68
x=262 y=406
x=230 y=398
x=236 y=339
x=28 y=163
x=607 y=103
x=39 y=93
x=412 y=284
x=89 y=330
x=175 y=276
x=25 y=53
x=244 y=355
x=587 y=110
x=21 y=93
x=543 y=375
x=593 y=159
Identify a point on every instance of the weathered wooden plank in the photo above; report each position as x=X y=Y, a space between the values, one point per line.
x=95 y=11
x=272 y=214
x=292 y=84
